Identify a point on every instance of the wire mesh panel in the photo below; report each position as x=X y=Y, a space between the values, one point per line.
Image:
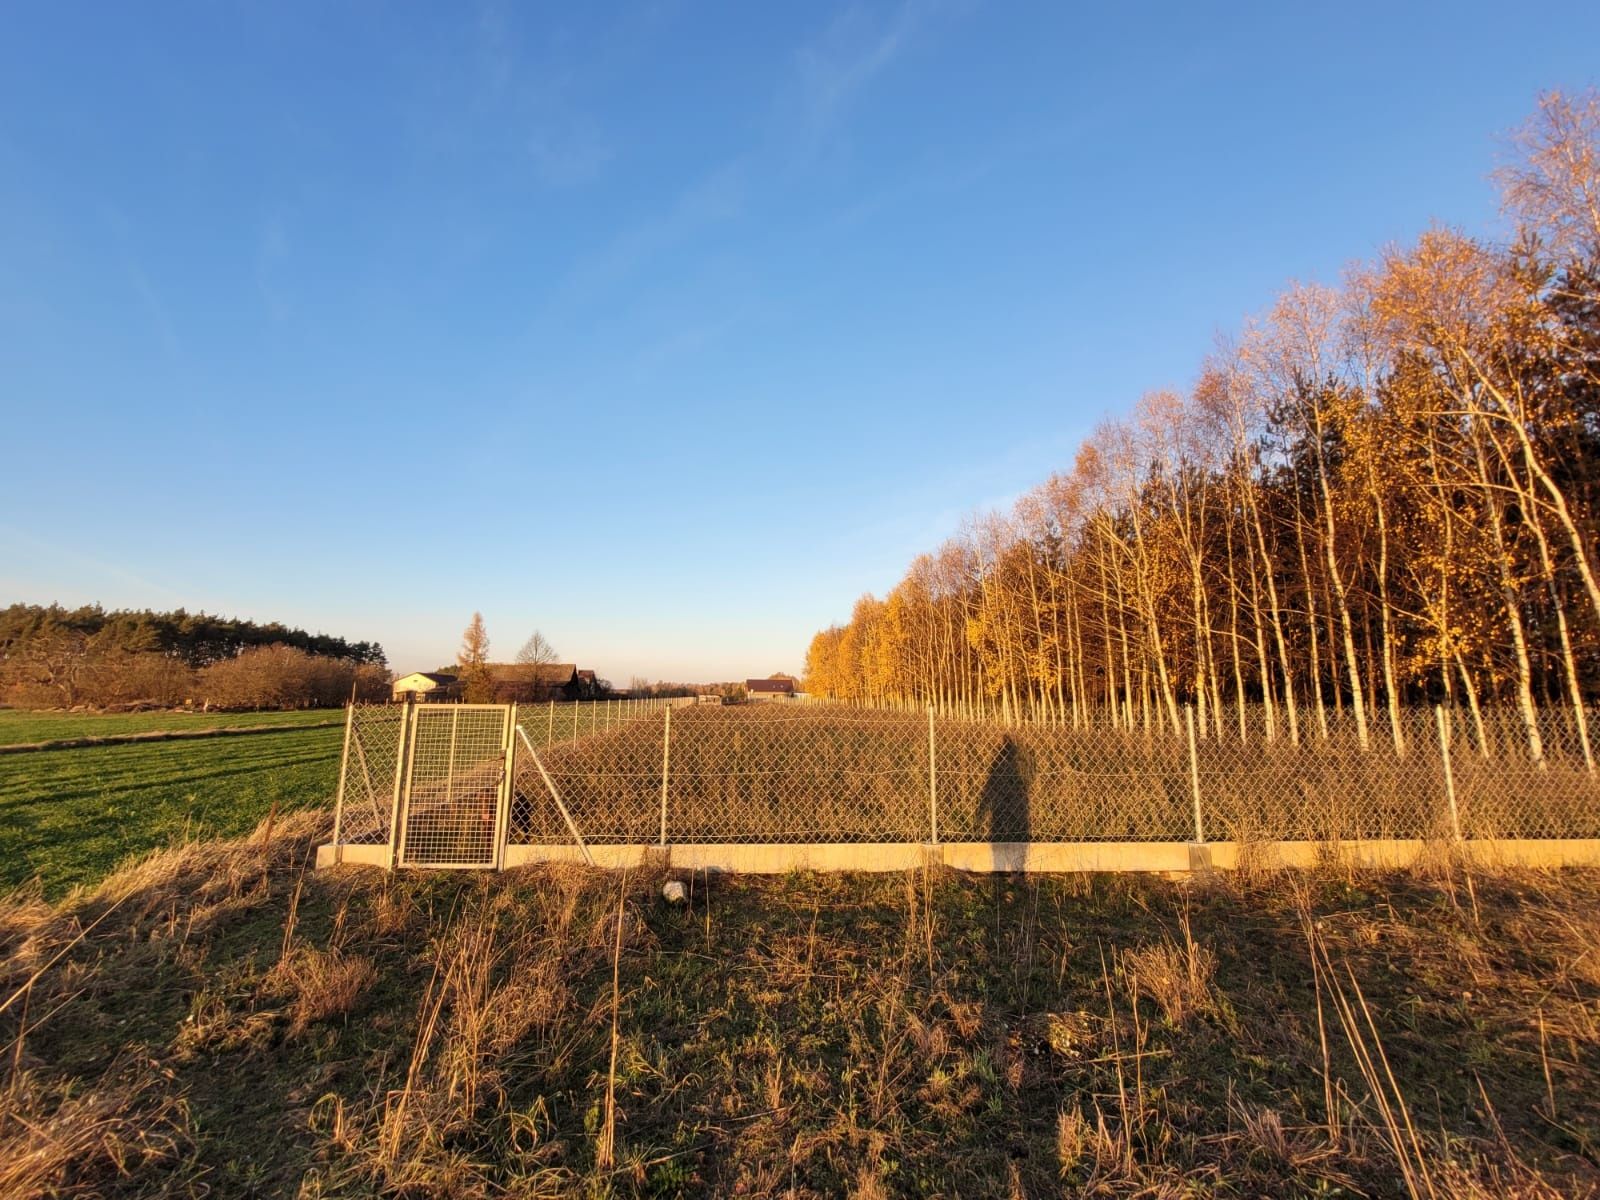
x=455 y=768
x=365 y=804
x=1328 y=788
x=1505 y=791
x=1324 y=789
x=787 y=774
x=604 y=766
x=1032 y=783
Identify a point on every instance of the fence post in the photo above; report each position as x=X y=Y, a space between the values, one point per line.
x=933 y=782
x=550 y=727
x=1449 y=775
x=666 y=758
x=508 y=785
x=407 y=720
x=344 y=763
x=1194 y=775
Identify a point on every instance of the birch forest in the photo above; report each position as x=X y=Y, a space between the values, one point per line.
x=1375 y=495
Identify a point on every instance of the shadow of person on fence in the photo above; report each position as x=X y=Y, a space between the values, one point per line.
x=1004 y=804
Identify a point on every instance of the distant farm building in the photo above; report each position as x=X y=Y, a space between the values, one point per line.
x=510 y=683
x=427 y=685
x=770 y=689
x=537 y=683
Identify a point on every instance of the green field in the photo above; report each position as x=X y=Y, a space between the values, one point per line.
x=70 y=816
x=20 y=726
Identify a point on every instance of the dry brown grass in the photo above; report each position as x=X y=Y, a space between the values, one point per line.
x=1177 y=977
x=324 y=984
x=300 y=1034
x=58 y=1141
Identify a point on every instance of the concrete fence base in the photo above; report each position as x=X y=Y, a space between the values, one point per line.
x=1049 y=857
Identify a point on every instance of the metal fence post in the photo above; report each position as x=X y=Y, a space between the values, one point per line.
x=1449 y=775
x=338 y=804
x=1194 y=775
x=502 y=813
x=933 y=782
x=550 y=726
x=407 y=721
x=666 y=758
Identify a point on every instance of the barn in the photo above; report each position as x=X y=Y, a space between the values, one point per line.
x=427 y=685
x=780 y=688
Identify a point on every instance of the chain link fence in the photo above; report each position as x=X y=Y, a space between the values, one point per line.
x=369 y=774
x=643 y=773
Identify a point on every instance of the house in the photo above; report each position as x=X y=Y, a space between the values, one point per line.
x=779 y=688
x=510 y=683
x=535 y=683
x=427 y=685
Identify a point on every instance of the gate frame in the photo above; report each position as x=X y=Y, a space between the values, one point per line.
x=406 y=761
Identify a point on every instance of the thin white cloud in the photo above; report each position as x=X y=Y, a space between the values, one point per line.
x=272 y=250
x=716 y=197
x=26 y=551
x=566 y=144
x=155 y=308
x=496 y=50
x=567 y=152
x=853 y=50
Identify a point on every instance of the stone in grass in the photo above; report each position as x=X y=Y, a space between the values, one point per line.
x=673 y=892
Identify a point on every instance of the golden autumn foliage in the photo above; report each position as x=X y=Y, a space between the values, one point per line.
x=1375 y=495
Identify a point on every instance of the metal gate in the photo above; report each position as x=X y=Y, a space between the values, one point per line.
x=457 y=781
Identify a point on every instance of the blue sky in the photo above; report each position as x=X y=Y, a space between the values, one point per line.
x=667 y=329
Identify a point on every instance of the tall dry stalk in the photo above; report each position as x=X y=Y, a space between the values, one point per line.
x=606 y=1150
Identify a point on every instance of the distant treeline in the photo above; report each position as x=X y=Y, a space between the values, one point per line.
x=1379 y=494
x=54 y=656
x=661 y=689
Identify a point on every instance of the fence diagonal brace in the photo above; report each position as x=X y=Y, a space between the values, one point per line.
x=555 y=795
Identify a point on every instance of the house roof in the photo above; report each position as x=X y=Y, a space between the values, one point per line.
x=552 y=674
x=784 y=686
x=437 y=677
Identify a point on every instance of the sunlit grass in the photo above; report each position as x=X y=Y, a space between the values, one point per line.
x=69 y=816
x=21 y=726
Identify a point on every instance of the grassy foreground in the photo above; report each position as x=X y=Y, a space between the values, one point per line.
x=69 y=816
x=216 y=1020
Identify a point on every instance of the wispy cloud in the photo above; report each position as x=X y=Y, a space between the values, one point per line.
x=566 y=144
x=847 y=57
x=94 y=576
x=567 y=150
x=716 y=197
x=141 y=284
x=813 y=94
x=155 y=308
x=496 y=48
x=272 y=250
x=850 y=53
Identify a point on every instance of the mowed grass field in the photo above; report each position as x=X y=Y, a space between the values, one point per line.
x=22 y=726
x=70 y=816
